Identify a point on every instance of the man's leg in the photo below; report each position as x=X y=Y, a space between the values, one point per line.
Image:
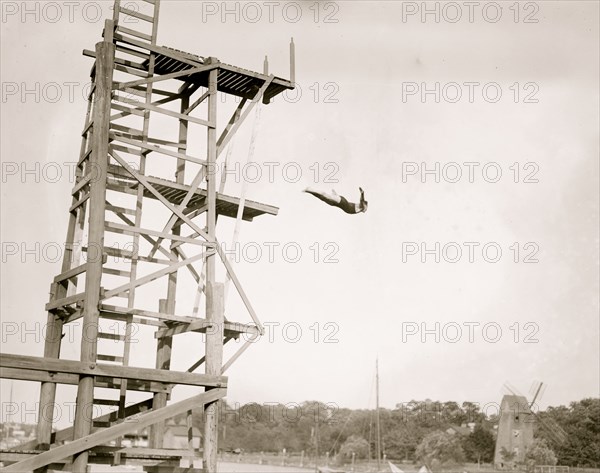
x=325 y=197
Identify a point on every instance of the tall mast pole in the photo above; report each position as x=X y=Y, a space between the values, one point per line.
x=378 y=450
x=9 y=418
x=317 y=441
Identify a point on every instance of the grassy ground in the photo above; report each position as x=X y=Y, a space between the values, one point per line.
x=273 y=464
x=360 y=466
x=270 y=463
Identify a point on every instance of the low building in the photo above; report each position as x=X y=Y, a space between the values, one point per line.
x=462 y=430
x=176 y=436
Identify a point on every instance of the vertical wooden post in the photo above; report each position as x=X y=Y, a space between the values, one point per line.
x=211 y=171
x=164 y=344
x=317 y=439
x=214 y=361
x=266 y=72
x=292 y=62
x=105 y=54
x=378 y=445
x=214 y=291
x=163 y=362
x=54 y=325
x=51 y=350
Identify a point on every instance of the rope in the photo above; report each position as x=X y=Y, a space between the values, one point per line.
x=200 y=289
x=242 y=203
x=227 y=158
x=240 y=212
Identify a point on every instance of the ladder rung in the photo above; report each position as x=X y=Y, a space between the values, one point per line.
x=137 y=34
x=92 y=90
x=81 y=183
x=114 y=358
x=81 y=201
x=106 y=402
x=110 y=336
x=87 y=127
x=84 y=156
x=135 y=14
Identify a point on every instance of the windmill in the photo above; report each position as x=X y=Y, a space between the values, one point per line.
x=554 y=431
x=515 y=428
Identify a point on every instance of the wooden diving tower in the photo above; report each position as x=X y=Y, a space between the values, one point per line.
x=126 y=169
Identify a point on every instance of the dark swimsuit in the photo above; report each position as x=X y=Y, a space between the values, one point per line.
x=346 y=206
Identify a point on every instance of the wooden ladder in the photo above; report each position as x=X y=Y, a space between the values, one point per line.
x=137 y=20
x=131 y=21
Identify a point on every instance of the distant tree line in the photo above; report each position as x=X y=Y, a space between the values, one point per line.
x=572 y=432
x=341 y=432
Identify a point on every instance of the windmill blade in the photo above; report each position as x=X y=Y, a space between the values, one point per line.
x=556 y=431
x=537 y=390
x=509 y=388
x=551 y=427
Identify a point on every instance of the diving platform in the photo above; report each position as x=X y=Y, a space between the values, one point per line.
x=161 y=188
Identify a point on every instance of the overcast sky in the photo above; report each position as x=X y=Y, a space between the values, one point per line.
x=361 y=68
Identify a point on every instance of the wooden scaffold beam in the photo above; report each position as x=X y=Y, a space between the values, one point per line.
x=134 y=79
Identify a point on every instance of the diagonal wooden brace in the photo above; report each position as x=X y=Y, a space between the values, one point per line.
x=106 y=435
